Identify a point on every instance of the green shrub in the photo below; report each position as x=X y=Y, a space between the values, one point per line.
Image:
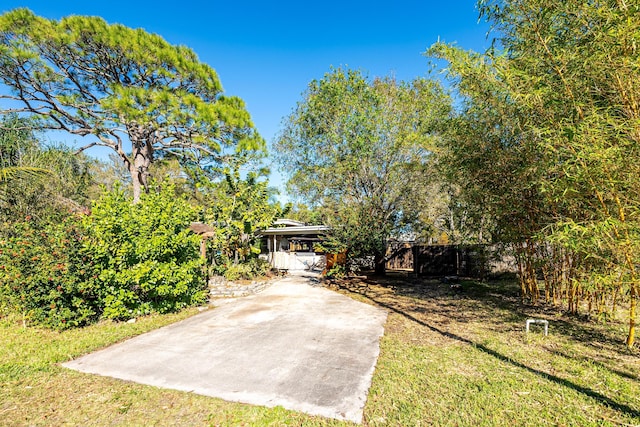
x=249 y=269
x=120 y=262
x=145 y=258
x=43 y=274
x=337 y=272
x=236 y=272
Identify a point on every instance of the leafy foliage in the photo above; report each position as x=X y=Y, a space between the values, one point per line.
x=358 y=148
x=45 y=179
x=75 y=270
x=238 y=208
x=303 y=213
x=115 y=85
x=246 y=270
x=112 y=84
x=552 y=120
x=42 y=274
x=144 y=258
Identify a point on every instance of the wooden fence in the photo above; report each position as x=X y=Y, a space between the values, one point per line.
x=450 y=260
x=447 y=260
x=399 y=256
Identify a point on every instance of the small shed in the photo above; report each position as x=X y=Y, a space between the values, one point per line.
x=290 y=245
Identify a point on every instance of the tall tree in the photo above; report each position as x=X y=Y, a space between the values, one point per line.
x=496 y=162
x=570 y=72
x=115 y=85
x=360 y=149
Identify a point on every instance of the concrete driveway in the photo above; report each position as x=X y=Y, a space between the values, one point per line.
x=296 y=345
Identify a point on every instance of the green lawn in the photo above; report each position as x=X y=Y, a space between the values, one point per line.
x=447 y=358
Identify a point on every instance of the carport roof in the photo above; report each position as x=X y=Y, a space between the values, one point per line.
x=298 y=231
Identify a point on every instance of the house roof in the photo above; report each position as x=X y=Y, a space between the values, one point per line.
x=288 y=222
x=295 y=230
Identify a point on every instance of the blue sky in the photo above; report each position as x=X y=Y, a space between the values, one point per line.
x=267 y=52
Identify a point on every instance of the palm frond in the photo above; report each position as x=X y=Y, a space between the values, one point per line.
x=8 y=173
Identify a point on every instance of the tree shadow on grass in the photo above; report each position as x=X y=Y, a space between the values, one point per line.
x=585 y=334
x=458 y=303
x=505 y=296
x=620 y=407
x=600 y=363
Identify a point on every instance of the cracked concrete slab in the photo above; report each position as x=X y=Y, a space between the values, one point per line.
x=295 y=345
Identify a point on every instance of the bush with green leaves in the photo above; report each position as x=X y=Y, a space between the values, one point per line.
x=122 y=261
x=337 y=272
x=43 y=272
x=247 y=270
x=145 y=258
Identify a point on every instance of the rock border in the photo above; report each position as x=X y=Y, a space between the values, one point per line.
x=219 y=287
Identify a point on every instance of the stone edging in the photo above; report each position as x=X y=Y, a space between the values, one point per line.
x=221 y=288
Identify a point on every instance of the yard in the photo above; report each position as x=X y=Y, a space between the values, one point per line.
x=449 y=357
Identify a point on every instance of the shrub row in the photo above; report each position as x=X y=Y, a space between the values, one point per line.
x=120 y=262
x=247 y=270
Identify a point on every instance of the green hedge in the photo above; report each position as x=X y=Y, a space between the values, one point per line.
x=122 y=261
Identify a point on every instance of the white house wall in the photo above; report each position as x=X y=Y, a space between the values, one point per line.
x=297 y=261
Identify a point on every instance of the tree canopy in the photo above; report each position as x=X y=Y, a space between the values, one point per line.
x=361 y=149
x=118 y=86
x=549 y=126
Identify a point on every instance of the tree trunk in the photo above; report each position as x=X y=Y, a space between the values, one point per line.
x=137 y=187
x=139 y=168
x=632 y=317
x=379 y=263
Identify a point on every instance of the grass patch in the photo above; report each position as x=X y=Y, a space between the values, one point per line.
x=460 y=357
x=35 y=390
x=448 y=357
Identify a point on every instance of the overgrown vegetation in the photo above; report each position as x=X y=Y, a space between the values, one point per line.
x=545 y=147
x=359 y=149
x=103 y=265
x=67 y=262
x=71 y=252
x=238 y=208
x=43 y=276
x=143 y=257
x=248 y=270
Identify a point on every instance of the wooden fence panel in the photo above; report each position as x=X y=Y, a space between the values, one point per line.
x=399 y=256
x=450 y=260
